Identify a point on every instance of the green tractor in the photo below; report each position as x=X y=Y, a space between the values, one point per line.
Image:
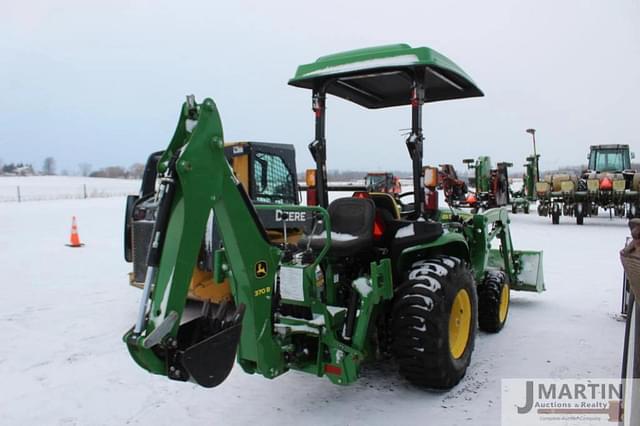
x=609 y=183
x=364 y=279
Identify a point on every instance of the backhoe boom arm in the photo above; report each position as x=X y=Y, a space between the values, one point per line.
x=204 y=178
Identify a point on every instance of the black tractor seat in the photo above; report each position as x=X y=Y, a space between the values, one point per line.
x=411 y=233
x=351 y=228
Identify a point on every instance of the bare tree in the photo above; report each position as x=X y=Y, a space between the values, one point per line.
x=49 y=166
x=85 y=169
x=135 y=171
x=114 y=172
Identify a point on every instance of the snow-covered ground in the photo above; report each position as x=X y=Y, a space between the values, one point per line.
x=63 y=312
x=33 y=188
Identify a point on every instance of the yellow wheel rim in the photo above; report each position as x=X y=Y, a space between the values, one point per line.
x=459 y=324
x=504 y=303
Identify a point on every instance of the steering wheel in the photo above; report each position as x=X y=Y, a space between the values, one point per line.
x=404 y=211
x=405 y=194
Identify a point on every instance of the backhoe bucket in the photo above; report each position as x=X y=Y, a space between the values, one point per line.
x=207 y=347
x=530 y=276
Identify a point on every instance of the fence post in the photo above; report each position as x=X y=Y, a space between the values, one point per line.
x=85 y=189
x=19 y=198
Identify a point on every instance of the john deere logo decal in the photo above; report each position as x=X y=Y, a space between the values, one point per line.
x=261 y=269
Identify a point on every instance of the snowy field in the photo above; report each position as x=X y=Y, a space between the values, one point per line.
x=63 y=312
x=37 y=188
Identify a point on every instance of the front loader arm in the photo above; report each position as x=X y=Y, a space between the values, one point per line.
x=205 y=183
x=522 y=268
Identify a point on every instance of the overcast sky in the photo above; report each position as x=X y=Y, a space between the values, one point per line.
x=102 y=81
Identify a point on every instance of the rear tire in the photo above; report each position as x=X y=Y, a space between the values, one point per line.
x=493 y=302
x=579 y=214
x=433 y=326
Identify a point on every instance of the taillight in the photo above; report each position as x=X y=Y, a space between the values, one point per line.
x=312 y=197
x=606 y=184
x=471 y=199
x=431 y=200
x=360 y=194
x=430 y=176
x=310 y=178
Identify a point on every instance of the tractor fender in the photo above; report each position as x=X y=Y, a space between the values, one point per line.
x=449 y=243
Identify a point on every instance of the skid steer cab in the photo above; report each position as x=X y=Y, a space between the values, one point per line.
x=267 y=172
x=365 y=279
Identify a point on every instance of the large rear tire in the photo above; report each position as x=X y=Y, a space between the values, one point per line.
x=493 y=302
x=434 y=319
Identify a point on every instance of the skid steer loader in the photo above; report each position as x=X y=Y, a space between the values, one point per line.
x=366 y=279
x=267 y=172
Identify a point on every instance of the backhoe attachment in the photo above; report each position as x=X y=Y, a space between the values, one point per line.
x=195 y=176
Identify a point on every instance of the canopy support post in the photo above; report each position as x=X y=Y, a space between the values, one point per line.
x=318 y=146
x=415 y=142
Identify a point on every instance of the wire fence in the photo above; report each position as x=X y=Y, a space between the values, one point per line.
x=52 y=189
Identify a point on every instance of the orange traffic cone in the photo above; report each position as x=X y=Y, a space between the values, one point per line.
x=74 y=240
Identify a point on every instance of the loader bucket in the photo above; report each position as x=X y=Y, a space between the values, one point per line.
x=207 y=348
x=530 y=276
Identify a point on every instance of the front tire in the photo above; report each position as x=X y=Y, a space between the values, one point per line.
x=434 y=317
x=493 y=302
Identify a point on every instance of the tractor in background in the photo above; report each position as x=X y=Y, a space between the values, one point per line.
x=361 y=280
x=521 y=198
x=383 y=182
x=608 y=183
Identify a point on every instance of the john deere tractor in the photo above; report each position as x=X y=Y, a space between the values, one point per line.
x=608 y=183
x=362 y=279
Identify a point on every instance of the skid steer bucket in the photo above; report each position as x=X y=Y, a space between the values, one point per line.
x=206 y=347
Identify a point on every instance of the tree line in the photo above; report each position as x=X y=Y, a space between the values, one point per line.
x=49 y=168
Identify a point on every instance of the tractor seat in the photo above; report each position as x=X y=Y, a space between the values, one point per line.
x=351 y=227
x=409 y=233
